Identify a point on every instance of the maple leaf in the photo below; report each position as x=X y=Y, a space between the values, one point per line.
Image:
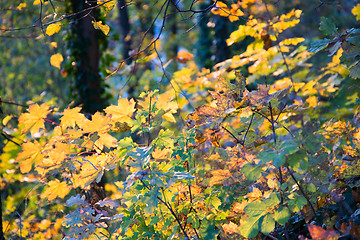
x=56 y=189
x=164 y=102
x=259 y=96
x=31 y=152
x=92 y=169
x=123 y=111
x=106 y=140
x=98 y=123
x=161 y=154
x=202 y=115
x=34 y=119
x=71 y=117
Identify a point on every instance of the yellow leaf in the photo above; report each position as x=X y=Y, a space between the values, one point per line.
x=103 y=27
x=161 y=154
x=356 y=11
x=6 y=120
x=91 y=169
x=56 y=189
x=169 y=117
x=37 y=2
x=34 y=119
x=106 y=140
x=21 y=6
x=31 y=152
x=54 y=44
x=106 y=3
x=71 y=117
x=123 y=111
x=313 y=101
x=98 y=123
x=239 y=207
x=53 y=28
x=56 y=60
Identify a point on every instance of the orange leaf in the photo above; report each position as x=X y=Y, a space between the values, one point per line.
x=34 y=119
x=318 y=233
x=184 y=56
x=230 y=228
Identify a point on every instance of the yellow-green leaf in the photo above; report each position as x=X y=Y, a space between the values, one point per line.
x=53 y=28
x=356 y=11
x=56 y=60
x=103 y=27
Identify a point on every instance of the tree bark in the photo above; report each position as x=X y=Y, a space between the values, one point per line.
x=85 y=54
x=221 y=33
x=125 y=30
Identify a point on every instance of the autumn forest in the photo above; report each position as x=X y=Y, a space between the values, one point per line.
x=174 y=119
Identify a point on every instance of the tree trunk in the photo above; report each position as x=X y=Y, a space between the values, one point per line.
x=204 y=43
x=84 y=43
x=125 y=30
x=221 y=33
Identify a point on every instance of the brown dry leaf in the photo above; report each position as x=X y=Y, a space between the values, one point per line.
x=318 y=233
x=230 y=228
x=202 y=115
x=260 y=96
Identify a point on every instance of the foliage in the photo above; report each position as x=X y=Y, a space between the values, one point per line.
x=263 y=152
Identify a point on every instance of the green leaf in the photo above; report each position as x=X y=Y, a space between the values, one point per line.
x=208 y=230
x=267 y=224
x=289 y=147
x=273 y=200
x=267 y=156
x=327 y=26
x=298 y=160
x=250 y=227
x=301 y=202
x=256 y=208
x=141 y=157
x=355 y=71
x=319 y=45
x=165 y=139
x=311 y=188
x=279 y=160
x=282 y=215
x=251 y=172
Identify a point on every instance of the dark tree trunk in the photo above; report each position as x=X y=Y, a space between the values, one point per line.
x=125 y=30
x=221 y=33
x=172 y=44
x=204 y=43
x=84 y=43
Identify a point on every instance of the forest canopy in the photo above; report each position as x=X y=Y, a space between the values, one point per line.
x=179 y=119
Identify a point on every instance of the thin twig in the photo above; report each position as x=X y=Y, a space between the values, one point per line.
x=301 y=189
